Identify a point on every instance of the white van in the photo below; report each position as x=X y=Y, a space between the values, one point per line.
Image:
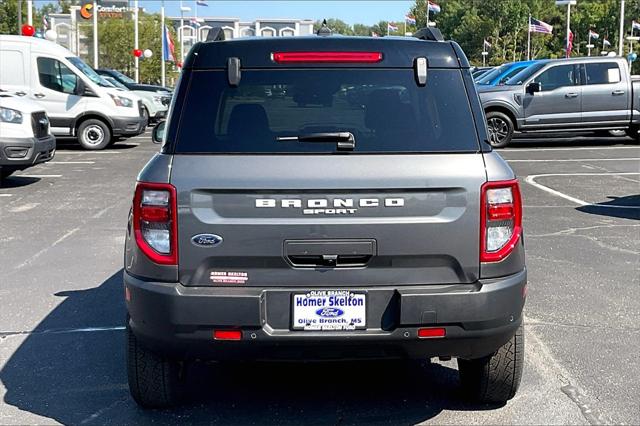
x=77 y=100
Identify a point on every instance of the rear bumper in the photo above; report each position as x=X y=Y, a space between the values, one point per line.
x=179 y=321
x=20 y=153
x=128 y=126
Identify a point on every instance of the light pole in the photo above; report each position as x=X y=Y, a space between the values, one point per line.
x=621 y=33
x=183 y=9
x=95 y=34
x=30 y=12
x=568 y=3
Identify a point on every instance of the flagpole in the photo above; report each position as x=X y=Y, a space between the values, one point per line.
x=621 y=36
x=136 y=60
x=95 y=34
x=162 y=32
x=589 y=44
x=181 y=33
x=427 y=14
x=30 y=12
x=567 y=52
x=197 y=30
x=529 y=39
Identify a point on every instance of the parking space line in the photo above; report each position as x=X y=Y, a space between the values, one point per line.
x=71 y=162
x=571 y=160
x=531 y=180
x=39 y=176
x=6 y=195
x=86 y=152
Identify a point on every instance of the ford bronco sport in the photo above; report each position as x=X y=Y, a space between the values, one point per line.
x=325 y=197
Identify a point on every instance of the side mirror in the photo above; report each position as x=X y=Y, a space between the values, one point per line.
x=534 y=88
x=157 y=134
x=80 y=87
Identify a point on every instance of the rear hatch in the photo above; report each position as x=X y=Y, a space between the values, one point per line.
x=332 y=176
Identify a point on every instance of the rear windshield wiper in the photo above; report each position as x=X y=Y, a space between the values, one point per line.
x=345 y=140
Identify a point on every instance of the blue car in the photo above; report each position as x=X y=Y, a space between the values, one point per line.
x=503 y=73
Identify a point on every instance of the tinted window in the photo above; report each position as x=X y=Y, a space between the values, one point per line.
x=603 y=73
x=56 y=76
x=555 y=77
x=385 y=110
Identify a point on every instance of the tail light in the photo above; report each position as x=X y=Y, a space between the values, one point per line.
x=501 y=219
x=154 y=222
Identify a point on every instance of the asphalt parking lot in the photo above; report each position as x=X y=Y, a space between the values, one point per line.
x=62 y=312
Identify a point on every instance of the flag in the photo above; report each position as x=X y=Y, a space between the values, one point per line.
x=594 y=35
x=194 y=21
x=486 y=45
x=374 y=34
x=432 y=7
x=167 y=46
x=536 y=26
x=569 y=44
x=410 y=19
x=391 y=28
x=635 y=25
x=605 y=43
x=202 y=3
x=45 y=23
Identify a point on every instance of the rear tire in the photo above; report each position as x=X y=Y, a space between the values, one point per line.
x=495 y=378
x=154 y=380
x=500 y=128
x=634 y=132
x=94 y=134
x=5 y=173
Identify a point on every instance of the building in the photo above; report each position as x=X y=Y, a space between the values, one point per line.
x=196 y=30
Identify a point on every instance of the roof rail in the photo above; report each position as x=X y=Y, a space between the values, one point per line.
x=215 y=34
x=429 y=33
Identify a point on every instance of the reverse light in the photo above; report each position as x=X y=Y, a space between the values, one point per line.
x=154 y=221
x=500 y=219
x=326 y=57
x=227 y=334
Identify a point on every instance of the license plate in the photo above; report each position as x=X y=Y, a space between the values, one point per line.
x=329 y=310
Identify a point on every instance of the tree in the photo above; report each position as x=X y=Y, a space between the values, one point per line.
x=336 y=25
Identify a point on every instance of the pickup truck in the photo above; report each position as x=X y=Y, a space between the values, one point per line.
x=564 y=95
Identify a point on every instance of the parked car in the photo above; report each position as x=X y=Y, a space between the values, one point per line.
x=25 y=139
x=478 y=72
x=265 y=229
x=564 y=95
x=77 y=100
x=501 y=74
x=155 y=104
x=131 y=83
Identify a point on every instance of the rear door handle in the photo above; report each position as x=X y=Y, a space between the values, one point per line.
x=617 y=92
x=571 y=95
x=39 y=95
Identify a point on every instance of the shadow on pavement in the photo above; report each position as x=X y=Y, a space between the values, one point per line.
x=73 y=145
x=17 y=181
x=558 y=140
x=79 y=377
x=629 y=207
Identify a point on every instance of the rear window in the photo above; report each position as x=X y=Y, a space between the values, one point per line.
x=384 y=109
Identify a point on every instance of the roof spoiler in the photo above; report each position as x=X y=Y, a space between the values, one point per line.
x=215 y=34
x=429 y=33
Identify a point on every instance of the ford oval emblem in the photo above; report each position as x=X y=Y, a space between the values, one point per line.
x=206 y=240
x=330 y=312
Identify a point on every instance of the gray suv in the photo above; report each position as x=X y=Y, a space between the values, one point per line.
x=325 y=197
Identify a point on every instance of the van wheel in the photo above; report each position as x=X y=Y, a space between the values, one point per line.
x=500 y=129
x=495 y=378
x=154 y=380
x=94 y=134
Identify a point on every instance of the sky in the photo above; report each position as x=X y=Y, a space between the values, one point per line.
x=366 y=12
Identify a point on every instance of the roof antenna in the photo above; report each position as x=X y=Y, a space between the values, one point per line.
x=324 y=30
